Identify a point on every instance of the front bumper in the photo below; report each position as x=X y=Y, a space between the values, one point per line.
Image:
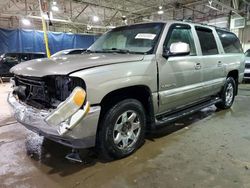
x=81 y=136
x=247 y=74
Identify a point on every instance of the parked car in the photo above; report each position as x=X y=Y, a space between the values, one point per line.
x=69 y=52
x=8 y=60
x=247 y=65
x=132 y=79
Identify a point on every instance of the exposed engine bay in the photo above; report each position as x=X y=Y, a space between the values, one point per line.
x=45 y=92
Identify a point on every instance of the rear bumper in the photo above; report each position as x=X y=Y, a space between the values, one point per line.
x=81 y=136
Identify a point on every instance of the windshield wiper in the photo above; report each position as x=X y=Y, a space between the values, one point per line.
x=116 y=50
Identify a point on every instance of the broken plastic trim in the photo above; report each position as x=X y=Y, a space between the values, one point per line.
x=68 y=114
x=74 y=120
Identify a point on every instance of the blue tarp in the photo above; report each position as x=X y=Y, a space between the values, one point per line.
x=21 y=40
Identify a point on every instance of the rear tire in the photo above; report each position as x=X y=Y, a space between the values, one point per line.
x=228 y=94
x=122 y=129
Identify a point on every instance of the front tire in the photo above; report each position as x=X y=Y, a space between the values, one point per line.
x=122 y=129
x=227 y=94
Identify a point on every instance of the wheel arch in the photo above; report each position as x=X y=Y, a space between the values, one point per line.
x=141 y=93
x=235 y=75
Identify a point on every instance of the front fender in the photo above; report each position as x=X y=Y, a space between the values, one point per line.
x=104 y=79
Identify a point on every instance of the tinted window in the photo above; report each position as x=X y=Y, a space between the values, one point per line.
x=181 y=33
x=24 y=57
x=207 y=41
x=247 y=53
x=11 y=58
x=230 y=42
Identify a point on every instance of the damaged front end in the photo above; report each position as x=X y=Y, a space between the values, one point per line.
x=55 y=107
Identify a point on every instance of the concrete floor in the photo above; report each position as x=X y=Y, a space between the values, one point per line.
x=209 y=149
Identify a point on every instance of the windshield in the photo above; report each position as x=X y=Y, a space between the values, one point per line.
x=247 y=53
x=141 y=38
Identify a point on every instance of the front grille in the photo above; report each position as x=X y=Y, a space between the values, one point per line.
x=34 y=91
x=247 y=75
x=247 y=65
x=45 y=92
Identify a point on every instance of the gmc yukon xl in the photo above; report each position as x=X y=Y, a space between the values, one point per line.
x=133 y=78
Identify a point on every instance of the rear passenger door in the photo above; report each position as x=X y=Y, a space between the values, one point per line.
x=213 y=60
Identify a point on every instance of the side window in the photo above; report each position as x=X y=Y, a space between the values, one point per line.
x=11 y=58
x=230 y=42
x=207 y=41
x=24 y=57
x=180 y=33
x=247 y=54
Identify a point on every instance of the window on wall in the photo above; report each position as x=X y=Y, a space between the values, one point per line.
x=181 y=33
x=207 y=41
x=230 y=42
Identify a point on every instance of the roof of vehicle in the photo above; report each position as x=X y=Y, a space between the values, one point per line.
x=180 y=22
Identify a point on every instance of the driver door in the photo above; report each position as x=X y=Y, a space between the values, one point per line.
x=180 y=77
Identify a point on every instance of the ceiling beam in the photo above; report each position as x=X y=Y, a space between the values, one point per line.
x=107 y=7
x=84 y=8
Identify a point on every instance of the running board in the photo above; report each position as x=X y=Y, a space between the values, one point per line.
x=174 y=116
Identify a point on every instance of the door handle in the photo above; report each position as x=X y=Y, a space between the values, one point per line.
x=219 y=64
x=197 y=66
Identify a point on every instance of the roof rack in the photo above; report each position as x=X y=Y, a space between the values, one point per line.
x=191 y=21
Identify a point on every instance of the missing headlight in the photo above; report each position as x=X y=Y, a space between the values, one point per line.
x=48 y=91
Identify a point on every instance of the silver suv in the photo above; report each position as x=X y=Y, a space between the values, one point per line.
x=247 y=65
x=133 y=78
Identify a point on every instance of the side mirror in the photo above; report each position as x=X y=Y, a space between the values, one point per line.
x=177 y=49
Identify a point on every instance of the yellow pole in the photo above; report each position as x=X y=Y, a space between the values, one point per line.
x=44 y=31
x=45 y=37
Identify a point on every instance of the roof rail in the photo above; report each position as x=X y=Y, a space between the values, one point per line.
x=191 y=21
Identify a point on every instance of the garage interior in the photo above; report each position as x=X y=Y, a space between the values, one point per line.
x=207 y=149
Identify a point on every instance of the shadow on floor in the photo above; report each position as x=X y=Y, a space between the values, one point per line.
x=52 y=154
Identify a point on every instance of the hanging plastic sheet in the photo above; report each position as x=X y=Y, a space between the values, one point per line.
x=21 y=40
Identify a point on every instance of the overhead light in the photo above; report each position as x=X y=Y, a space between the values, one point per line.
x=160 y=12
x=55 y=8
x=26 y=22
x=95 y=18
x=89 y=27
x=54 y=3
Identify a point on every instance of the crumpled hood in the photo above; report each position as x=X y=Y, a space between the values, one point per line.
x=69 y=63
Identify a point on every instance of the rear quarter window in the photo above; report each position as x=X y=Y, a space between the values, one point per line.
x=230 y=42
x=247 y=53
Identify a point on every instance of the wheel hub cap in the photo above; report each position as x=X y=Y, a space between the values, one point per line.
x=127 y=129
x=229 y=93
